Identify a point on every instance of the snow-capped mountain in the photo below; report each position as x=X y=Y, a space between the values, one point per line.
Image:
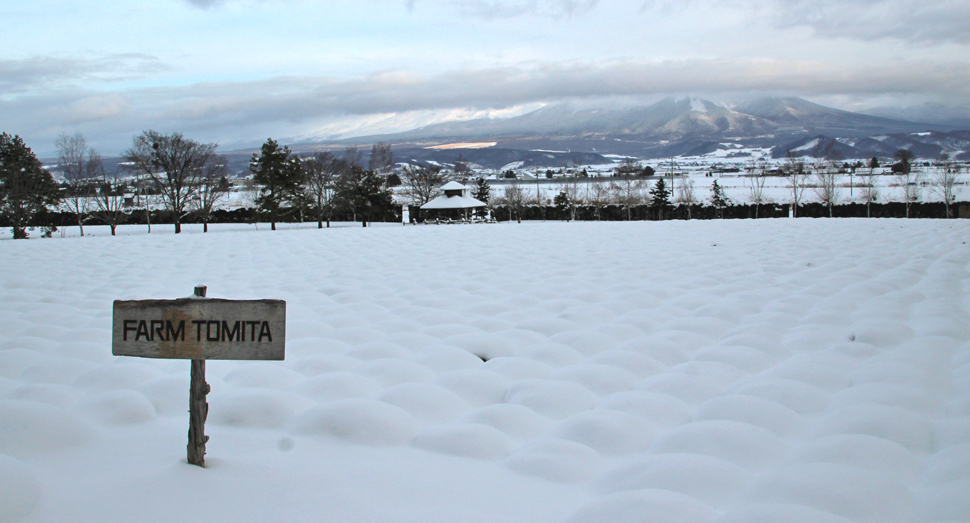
x=687 y=126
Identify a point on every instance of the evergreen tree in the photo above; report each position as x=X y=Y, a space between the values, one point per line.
x=718 y=200
x=660 y=197
x=280 y=178
x=26 y=188
x=483 y=193
x=562 y=202
x=364 y=194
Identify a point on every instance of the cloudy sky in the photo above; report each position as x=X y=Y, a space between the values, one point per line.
x=239 y=71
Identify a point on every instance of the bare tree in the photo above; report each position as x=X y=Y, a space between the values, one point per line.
x=321 y=172
x=869 y=190
x=514 y=198
x=686 y=195
x=628 y=192
x=756 y=188
x=176 y=164
x=213 y=187
x=599 y=197
x=827 y=185
x=945 y=180
x=353 y=157
x=109 y=198
x=251 y=191
x=909 y=183
x=78 y=165
x=795 y=178
x=422 y=184
x=381 y=159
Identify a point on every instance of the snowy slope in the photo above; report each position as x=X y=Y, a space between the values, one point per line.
x=728 y=371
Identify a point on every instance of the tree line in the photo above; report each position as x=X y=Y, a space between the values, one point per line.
x=186 y=177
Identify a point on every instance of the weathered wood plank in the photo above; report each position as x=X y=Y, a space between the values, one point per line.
x=199 y=329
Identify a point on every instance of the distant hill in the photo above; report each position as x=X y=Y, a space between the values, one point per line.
x=930 y=113
x=676 y=127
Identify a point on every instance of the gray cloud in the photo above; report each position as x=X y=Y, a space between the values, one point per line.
x=908 y=20
x=488 y=9
x=289 y=106
x=918 y=21
x=514 y=8
x=22 y=75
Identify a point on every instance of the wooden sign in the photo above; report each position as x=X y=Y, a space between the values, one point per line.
x=199 y=329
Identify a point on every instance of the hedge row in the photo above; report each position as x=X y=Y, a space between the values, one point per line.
x=548 y=212
x=707 y=212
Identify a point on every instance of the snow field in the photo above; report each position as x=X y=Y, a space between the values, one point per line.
x=703 y=371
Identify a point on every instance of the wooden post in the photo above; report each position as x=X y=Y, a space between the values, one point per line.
x=198 y=407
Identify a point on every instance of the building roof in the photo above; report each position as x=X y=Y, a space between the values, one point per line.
x=453 y=186
x=453 y=202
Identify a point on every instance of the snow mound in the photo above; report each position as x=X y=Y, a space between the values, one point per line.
x=426 y=402
x=903 y=396
x=118 y=407
x=644 y=506
x=20 y=492
x=476 y=386
x=389 y=372
x=321 y=363
x=856 y=494
x=515 y=421
x=799 y=397
x=556 y=460
x=893 y=423
x=553 y=354
x=950 y=464
x=362 y=421
x=258 y=408
x=862 y=451
x=263 y=375
x=608 y=432
x=339 y=385
x=753 y=410
x=555 y=399
x=517 y=368
x=470 y=440
x=744 y=358
x=710 y=480
x=639 y=365
x=445 y=358
x=777 y=512
x=599 y=378
x=27 y=428
x=945 y=503
x=126 y=375
x=62 y=396
x=662 y=410
x=739 y=443
x=586 y=342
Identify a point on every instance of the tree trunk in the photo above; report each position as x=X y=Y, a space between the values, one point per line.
x=320 y=224
x=205 y=226
x=81 y=227
x=178 y=226
x=113 y=227
x=198 y=412
x=272 y=226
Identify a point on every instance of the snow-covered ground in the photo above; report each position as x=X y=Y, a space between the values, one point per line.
x=730 y=371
